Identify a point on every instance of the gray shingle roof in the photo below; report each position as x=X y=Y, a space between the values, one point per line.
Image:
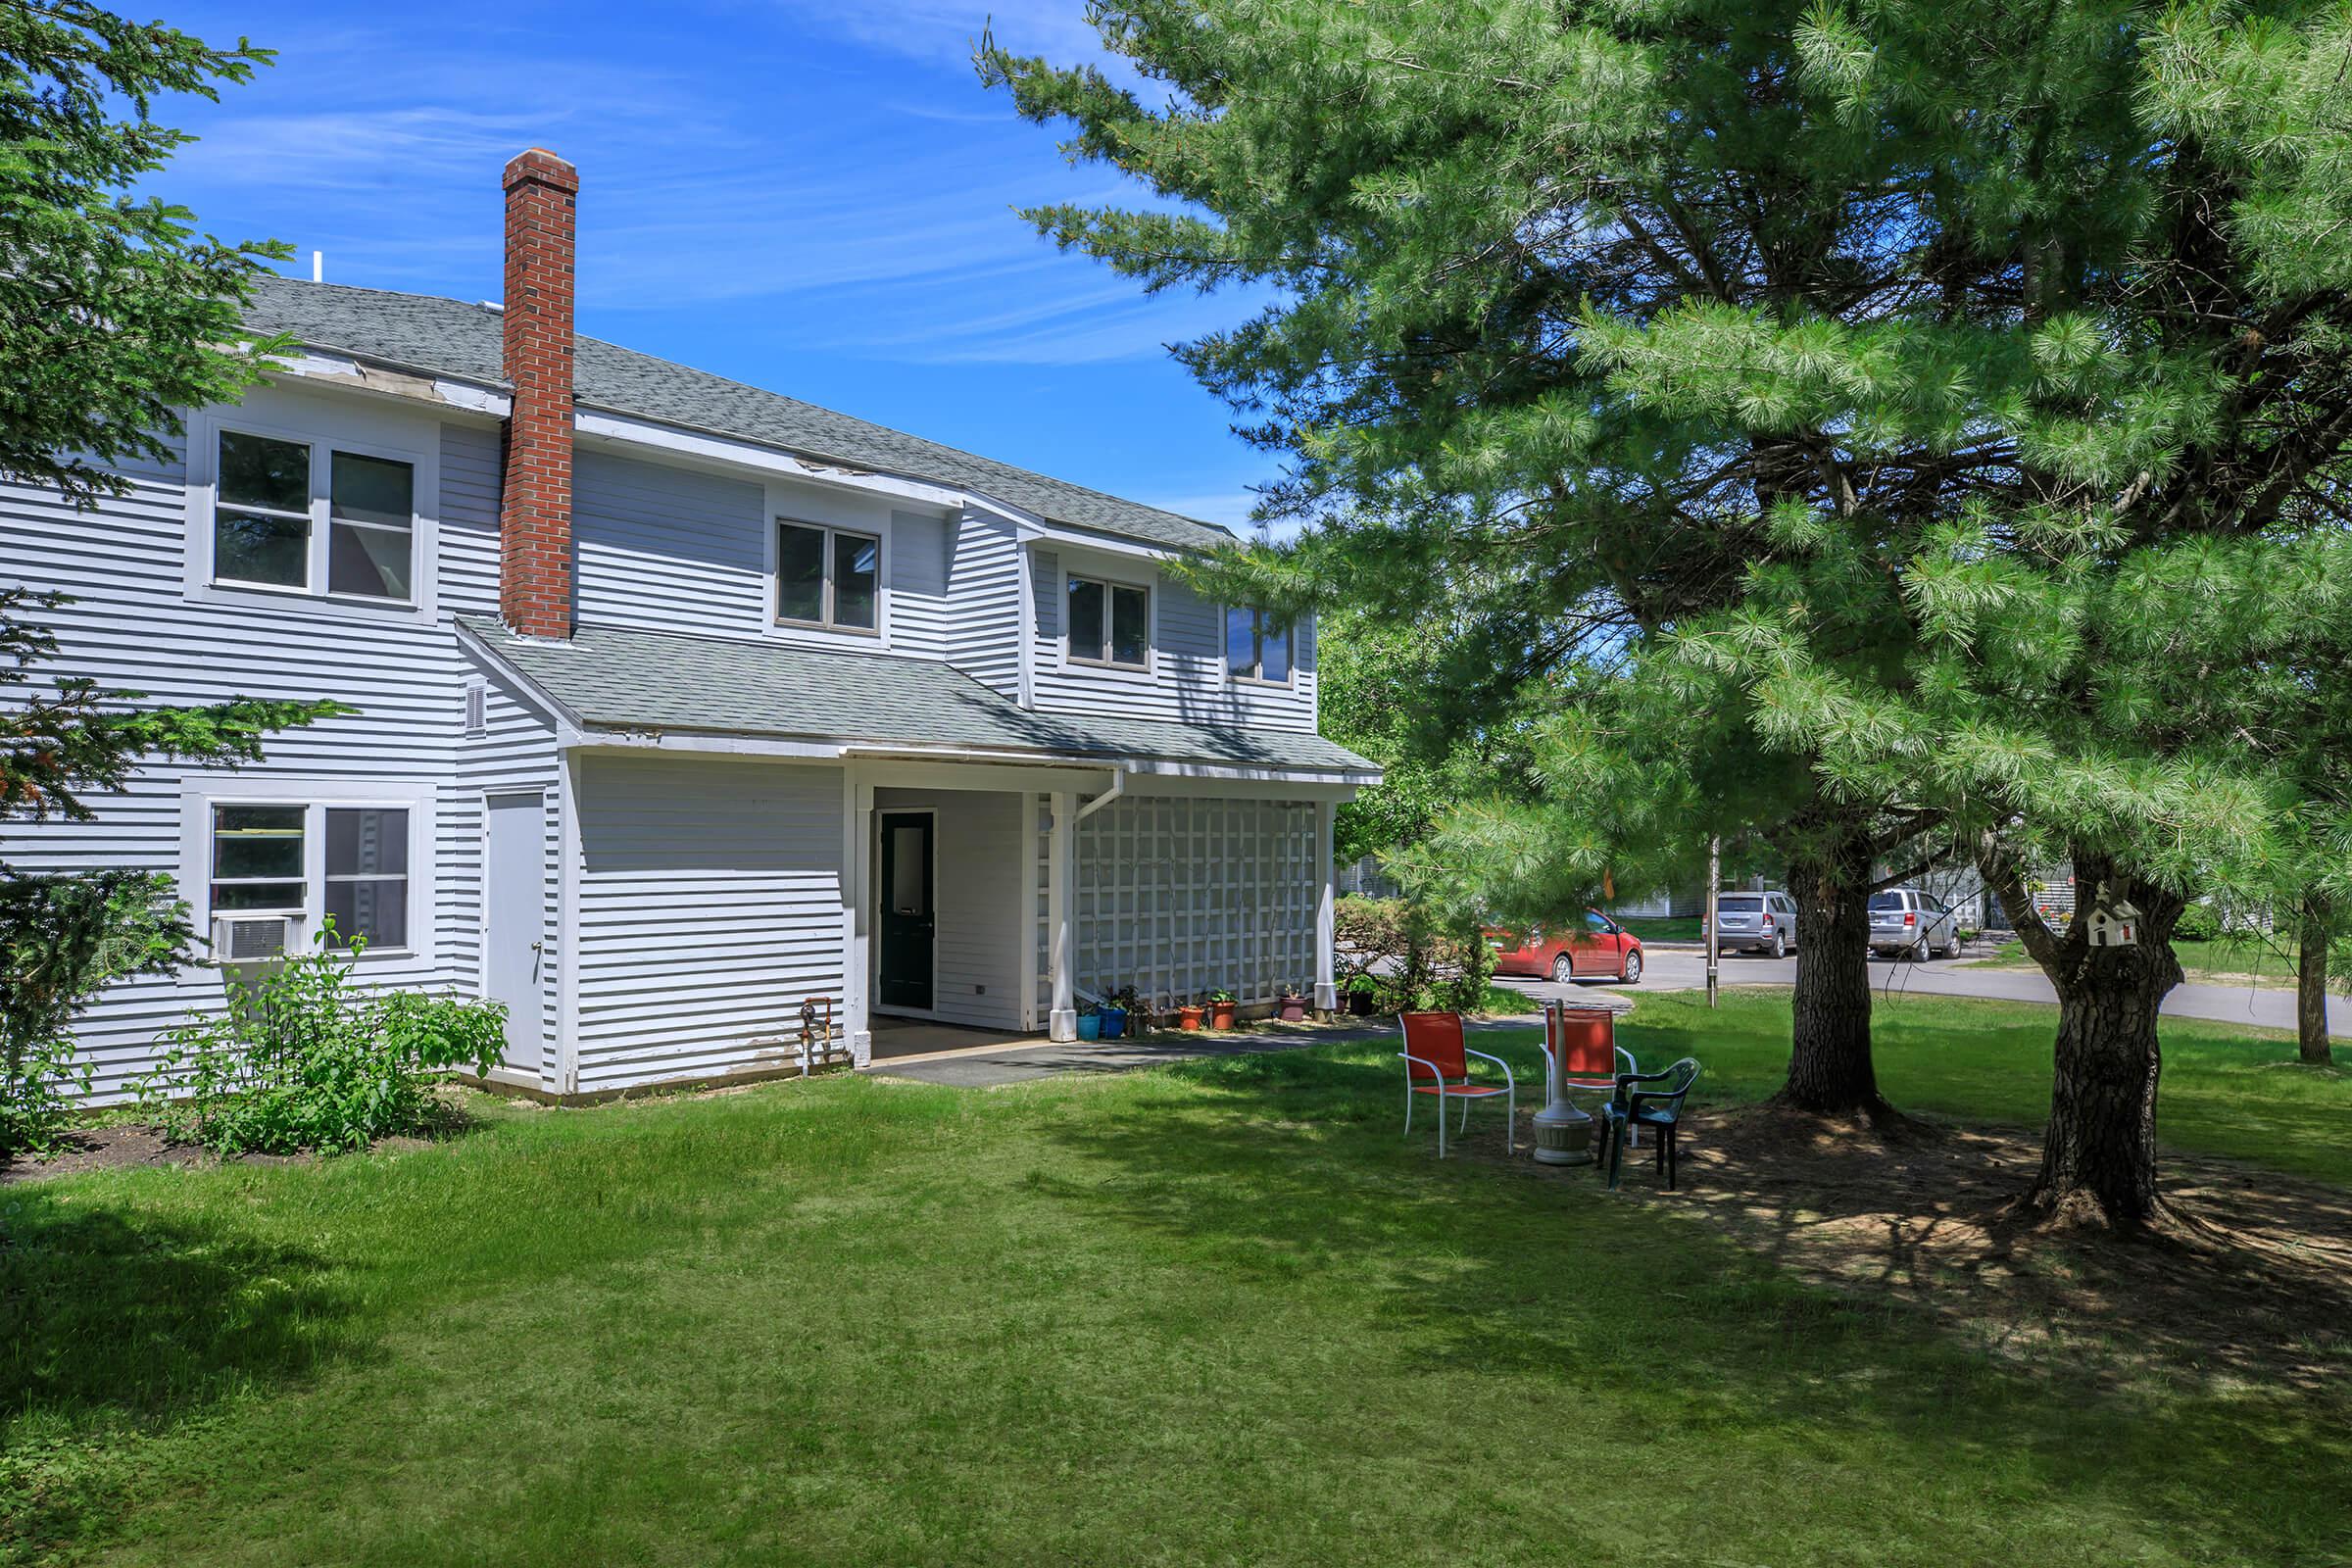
x=624 y=679
x=450 y=338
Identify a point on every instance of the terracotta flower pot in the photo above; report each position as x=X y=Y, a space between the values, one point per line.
x=1188 y=1017
x=1220 y=1014
x=1290 y=1009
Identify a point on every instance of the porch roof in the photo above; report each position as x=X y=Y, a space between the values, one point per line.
x=630 y=681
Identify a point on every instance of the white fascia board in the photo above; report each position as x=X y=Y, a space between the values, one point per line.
x=603 y=425
x=701 y=744
x=1054 y=533
x=321 y=367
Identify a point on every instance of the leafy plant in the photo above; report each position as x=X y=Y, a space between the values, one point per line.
x=303 y=1059
x=2198 y=922
x=39 y=1086
x=1222 y=995
x=1413 y=957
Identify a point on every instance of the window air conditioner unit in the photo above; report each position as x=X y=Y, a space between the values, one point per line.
x=250 y=938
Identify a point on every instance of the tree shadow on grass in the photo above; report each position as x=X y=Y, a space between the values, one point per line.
x=117 y=1322
x=1293 y=1165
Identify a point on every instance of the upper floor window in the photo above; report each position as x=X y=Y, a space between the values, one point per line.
x=310 y=517
x=828 y=577
x=1110 y=624
x=1257 y=646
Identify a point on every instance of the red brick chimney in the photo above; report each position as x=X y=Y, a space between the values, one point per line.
x=534 y=525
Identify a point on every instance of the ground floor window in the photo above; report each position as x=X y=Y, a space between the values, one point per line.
x=348 y=864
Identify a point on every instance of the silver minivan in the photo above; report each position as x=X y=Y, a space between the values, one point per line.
x=1907 y=923
x=1755 y=922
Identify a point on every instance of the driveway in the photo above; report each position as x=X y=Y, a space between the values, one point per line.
x=1685 y=969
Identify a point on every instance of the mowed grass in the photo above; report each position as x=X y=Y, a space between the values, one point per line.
x=1220 y=1313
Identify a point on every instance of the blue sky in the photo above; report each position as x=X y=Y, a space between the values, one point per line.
x=811 y=195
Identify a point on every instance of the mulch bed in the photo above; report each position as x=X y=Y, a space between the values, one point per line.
x=2251 y=1283
x=132 y=1145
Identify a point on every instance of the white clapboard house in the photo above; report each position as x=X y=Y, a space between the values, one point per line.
x=678 y=704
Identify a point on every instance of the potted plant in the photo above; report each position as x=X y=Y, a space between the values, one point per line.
x=1089 y=1022
x=1363 y=995
x=1221 y=1006
x=1188 y=1014
x=1291 y=1005
x=1117 y=1009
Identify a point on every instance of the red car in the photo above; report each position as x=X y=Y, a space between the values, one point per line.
x=1599 y=949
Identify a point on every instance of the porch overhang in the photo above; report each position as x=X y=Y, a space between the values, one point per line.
x=624 y=690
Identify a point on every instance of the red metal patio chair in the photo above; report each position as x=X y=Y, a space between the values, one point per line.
x=1589 y=1060
x=1437 y=1063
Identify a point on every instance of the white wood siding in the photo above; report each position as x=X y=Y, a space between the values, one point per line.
x=919 y=609
x=983 y=604
x=669 y=549
x=1181 y=896
x=1188 y=681
x=710 y=908
x=135 y=626
x=675 y=548
x=979 y=866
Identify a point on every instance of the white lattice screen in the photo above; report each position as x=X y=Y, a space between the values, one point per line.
x=1179 y=897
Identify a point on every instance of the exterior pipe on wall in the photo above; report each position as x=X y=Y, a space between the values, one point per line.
x=1118 y=787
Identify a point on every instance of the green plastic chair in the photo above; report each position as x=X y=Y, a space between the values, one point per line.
x=1658 y=1109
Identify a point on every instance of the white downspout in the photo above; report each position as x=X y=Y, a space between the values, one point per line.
x=1118 y=787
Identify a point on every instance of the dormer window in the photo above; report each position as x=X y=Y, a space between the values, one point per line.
x=1257 y=646
x=1110 y=624
x=828 y=577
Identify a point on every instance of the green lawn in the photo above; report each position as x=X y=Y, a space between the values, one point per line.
x=1685 y=928
x=1218 y=1313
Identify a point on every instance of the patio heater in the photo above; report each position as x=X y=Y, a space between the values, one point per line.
x=1580 y=1052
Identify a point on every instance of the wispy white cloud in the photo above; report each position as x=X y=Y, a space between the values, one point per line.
x=945 y=33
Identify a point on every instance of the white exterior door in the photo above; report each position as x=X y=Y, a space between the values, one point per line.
x=513 y=920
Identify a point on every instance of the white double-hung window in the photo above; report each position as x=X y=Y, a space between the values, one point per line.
x=1109 y=623
x=1257 y=646
x=829 y=577
x=344 y=864
x=311 y=517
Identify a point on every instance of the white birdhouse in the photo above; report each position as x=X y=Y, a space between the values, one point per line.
x=2114 y=922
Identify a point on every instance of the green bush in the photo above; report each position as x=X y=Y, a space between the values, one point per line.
x=303 y=1059
x=1413 y=958
x=38 y=1083
x=2199 y=922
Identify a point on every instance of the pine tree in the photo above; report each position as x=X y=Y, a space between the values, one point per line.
x=113 y=317
x=1880 y=377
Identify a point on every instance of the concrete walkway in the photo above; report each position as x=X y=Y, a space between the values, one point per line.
x=993 y=1066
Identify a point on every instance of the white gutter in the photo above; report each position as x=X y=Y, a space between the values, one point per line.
x=1118 y=787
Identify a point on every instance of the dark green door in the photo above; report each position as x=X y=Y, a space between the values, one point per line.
x=908 y=919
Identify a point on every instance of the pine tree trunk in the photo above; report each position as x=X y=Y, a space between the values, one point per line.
x=1829 y=1065
x=2098 y=1155
x=2311 y=989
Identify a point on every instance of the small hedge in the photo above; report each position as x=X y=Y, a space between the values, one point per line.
x=1412 y=958
x=304 y=1060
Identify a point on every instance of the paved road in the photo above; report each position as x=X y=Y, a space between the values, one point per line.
x=1672 y=970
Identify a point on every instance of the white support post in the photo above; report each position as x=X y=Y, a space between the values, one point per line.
x=1327 y=991
x=856 y=904
x=1061 y=910
x=571 y=865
